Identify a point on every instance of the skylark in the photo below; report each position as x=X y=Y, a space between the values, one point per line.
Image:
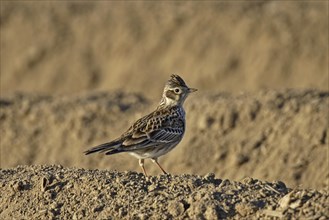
x=156 y=133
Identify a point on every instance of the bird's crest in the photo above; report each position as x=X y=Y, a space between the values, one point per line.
x=175 y=81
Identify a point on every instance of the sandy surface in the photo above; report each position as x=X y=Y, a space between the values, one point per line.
x=77 y=74
x=54 y=192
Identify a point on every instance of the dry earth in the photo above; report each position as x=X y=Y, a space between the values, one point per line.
x=54 y=192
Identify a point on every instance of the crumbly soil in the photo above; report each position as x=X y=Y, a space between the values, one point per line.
x=55 y=192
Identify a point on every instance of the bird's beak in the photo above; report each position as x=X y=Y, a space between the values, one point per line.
x=190 y=90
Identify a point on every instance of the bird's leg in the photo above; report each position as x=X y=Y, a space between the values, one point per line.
x=141 y=164
x=155 y=160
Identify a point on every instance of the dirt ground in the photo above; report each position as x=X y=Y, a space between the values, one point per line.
x=77 y=74
x=55 y=192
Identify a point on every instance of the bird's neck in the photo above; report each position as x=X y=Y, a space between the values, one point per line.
x=167 y=102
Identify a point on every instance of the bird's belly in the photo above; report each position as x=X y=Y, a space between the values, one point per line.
x=153 y=152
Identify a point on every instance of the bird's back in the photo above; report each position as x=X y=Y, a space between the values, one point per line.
x=163 y=125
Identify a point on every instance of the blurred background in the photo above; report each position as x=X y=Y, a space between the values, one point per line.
x=77 y=74
x=53 y=47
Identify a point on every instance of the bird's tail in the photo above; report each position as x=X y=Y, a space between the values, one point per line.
x=112 y=147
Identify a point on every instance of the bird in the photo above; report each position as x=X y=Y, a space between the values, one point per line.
x=157 y=133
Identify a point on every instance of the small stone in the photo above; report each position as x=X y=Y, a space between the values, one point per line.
x=53 y=205
x=285 y=201
x=248 y=180
x=224 y=183
x=176 y=208
x=43 y=184
x=244 y=209
x=295 y=204
x=75 y=217
x=209 y=176
x=152 y=187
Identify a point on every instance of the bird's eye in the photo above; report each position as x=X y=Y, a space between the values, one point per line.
x=177 y=91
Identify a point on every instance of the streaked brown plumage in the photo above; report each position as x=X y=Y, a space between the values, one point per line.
x=156 y=133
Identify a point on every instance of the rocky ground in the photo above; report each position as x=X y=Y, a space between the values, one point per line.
x=55 y=192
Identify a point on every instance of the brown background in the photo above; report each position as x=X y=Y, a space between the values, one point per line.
x=63 y=48
x=261 y=69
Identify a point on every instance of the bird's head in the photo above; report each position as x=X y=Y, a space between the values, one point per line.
x=175 y=91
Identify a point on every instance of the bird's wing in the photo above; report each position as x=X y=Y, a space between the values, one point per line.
x=152 y=130
x=166 y=135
